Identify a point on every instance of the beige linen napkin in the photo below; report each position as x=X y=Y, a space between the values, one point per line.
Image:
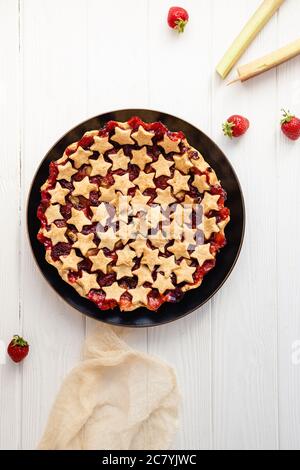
x=115 y=399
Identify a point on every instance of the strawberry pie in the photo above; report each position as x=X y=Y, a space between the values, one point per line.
x=132 y=215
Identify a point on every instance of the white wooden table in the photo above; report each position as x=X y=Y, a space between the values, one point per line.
x=63 y=61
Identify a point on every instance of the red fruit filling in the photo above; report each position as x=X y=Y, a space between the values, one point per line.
x=86 y=141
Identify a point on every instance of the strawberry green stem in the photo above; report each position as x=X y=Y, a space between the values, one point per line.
x=180 y=25
x=227 y=129
x=287 y=117
x=19 y=341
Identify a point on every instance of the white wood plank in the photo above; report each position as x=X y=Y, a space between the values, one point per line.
x=117 y=55
x=179 y=82
x=10 y=323
x=288 y=205
x=53 y=50
x=244 y=313
x=112 y=84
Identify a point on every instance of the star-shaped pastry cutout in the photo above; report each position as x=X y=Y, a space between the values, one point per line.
x=119 y=159
x=122 y=271
x=122 y=183
x=159 y=240
x=100 y=261
x=107 y=194
x=88 y=282
x=169 y=145
x=58 y=194
x=157 y=214
x=123 y=125
x=213 y=179
x=122 y=136
x=179 y=214
x=162 y=167
x=84 y=187
x=90 y=133
x=100 y=213
x=199 y=161
x=108 y=239
x=138 y=226
x=143 y=274
x=79 y=219
x=80 y=157
x=223 y=223
x=189 y=236
x=210 y=203
x=179 y=249
x=72 y=147
x=150 y=258
x=139 y=295
x=53 y=213
x=99 y=167
x=61 y=161
x=143 y=137
x=209 y=226
x=179 y=182
x=114 y=292
x=122 y=207
x=163 y=284
x=164 y=196
x=71 y=261
x=139 y=202
x=174 y=230
x=57 y=234
x=183 y=163
x=65 y=172
x=126 y=231
x=139 y=245
x=101 y=145
x=188 y=200
x=200 y=183
x=202 y=253
x=184 y=272
x=144 y=181
x=125 y=256
x=168 y=265
x=140 y=158
x=85 y=243
x=120 y=201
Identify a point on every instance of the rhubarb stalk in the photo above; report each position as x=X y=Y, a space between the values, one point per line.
x=247 y=35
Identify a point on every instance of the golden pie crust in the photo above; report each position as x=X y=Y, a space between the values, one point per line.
x=132 y=216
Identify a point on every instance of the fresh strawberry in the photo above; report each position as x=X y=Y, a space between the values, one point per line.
x=235 y=126
x=178 y=18
x=290 y=125
x=18 y=349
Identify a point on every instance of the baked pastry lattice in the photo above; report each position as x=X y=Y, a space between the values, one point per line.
x=132 y=215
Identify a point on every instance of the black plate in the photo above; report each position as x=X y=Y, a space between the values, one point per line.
x=212 y=281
